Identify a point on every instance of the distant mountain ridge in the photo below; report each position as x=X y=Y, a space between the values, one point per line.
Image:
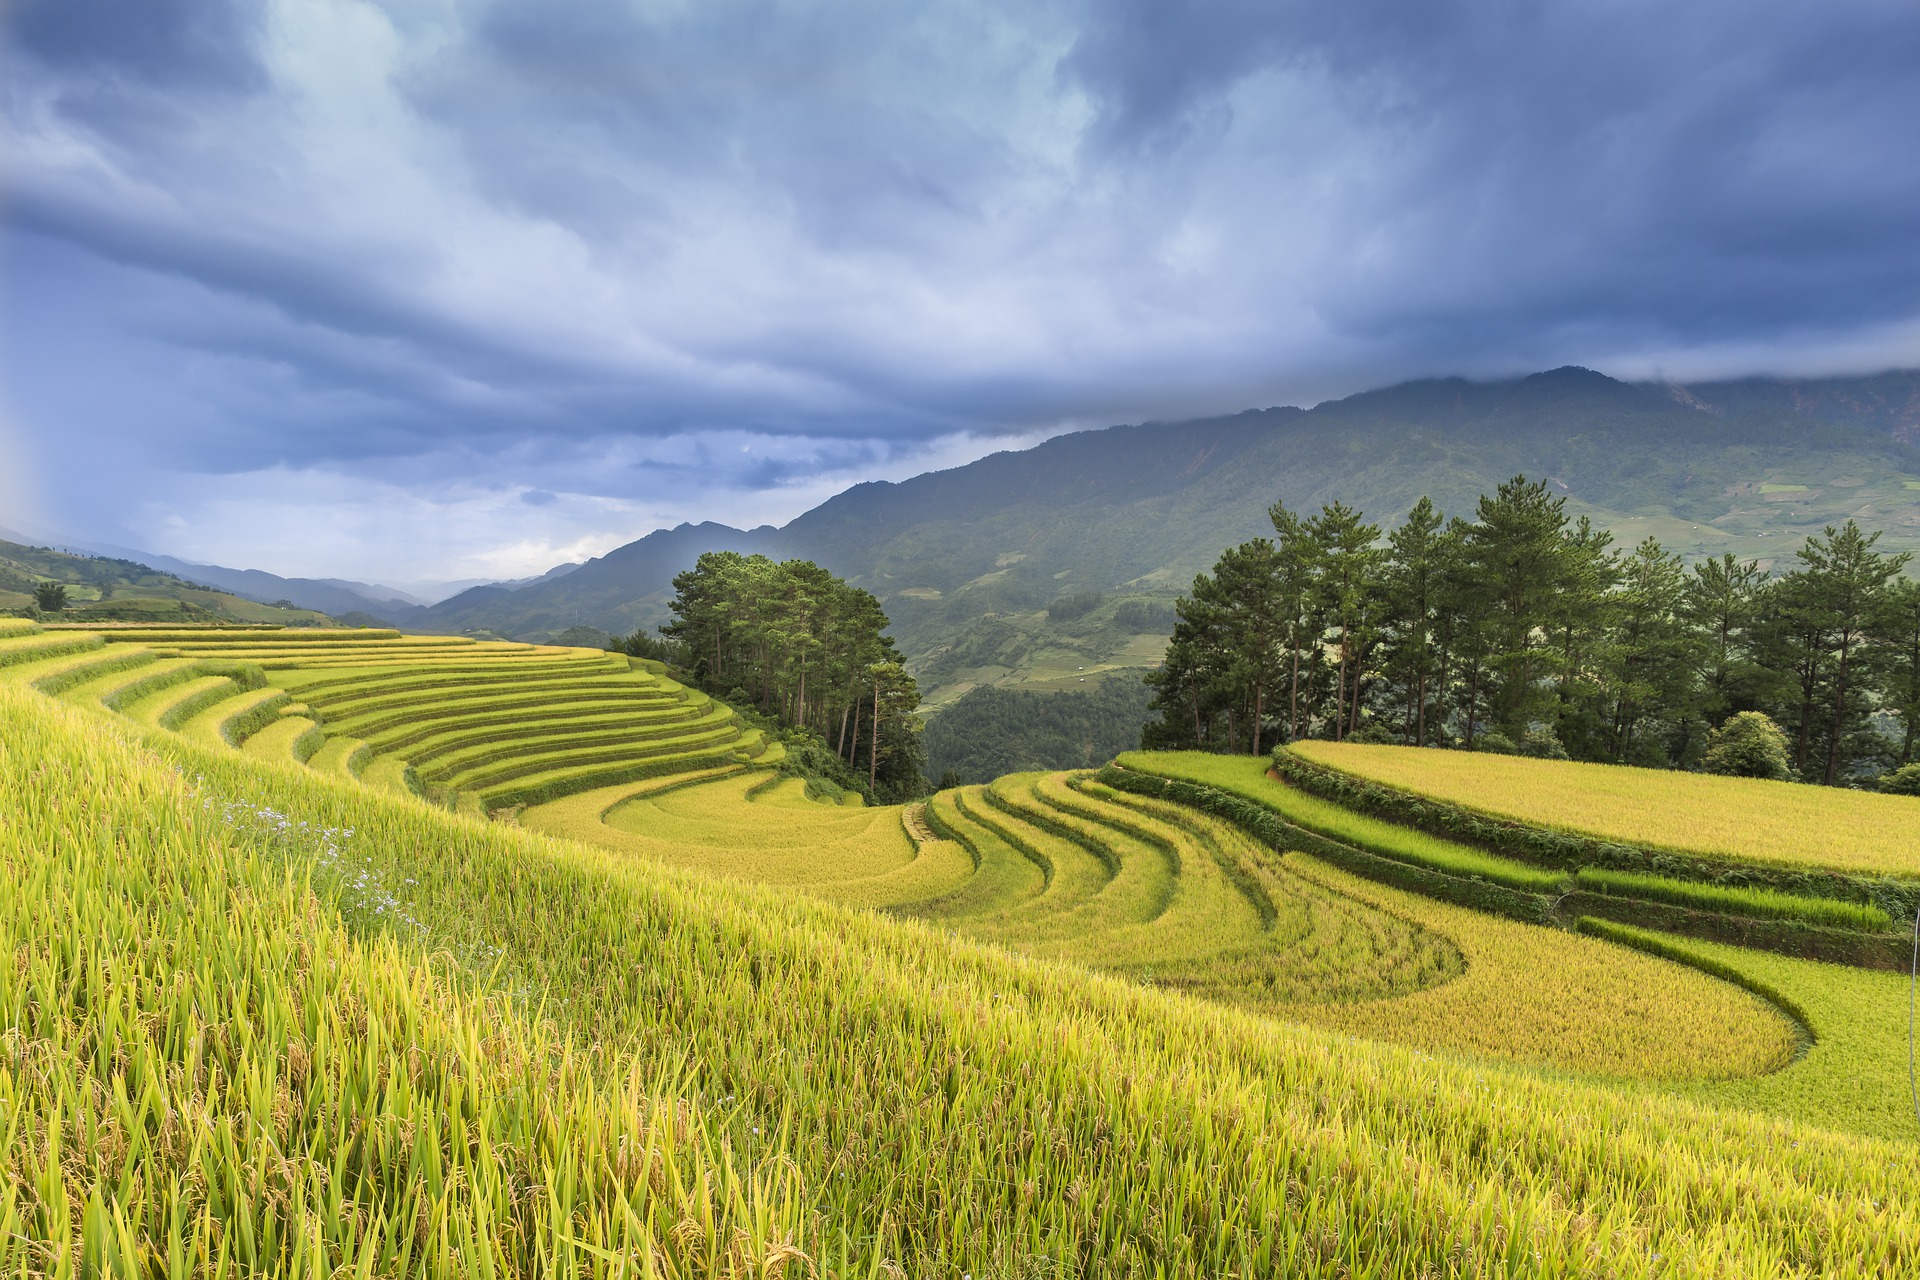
x=967 y=559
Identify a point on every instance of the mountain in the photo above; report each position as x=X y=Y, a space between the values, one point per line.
x=1046 y=566
x=328 y=595
x=107 y=588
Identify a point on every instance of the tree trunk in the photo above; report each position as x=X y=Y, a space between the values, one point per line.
x=1839 y=712
x=1340 y=688
x=1420 y=717
x=873 y=751
x=1353 y=721
x=840 y=747
x=1473 y=702
x=1293 y=700
x=1259 y=712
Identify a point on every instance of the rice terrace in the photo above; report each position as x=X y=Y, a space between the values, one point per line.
x=342 y=948
x=959 y=641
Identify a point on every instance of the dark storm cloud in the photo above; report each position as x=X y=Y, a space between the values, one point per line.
x=496 y=240
x=178 y=45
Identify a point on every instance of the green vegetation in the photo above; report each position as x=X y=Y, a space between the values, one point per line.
x=1748 y=745
x=808 y=650
x=989 y=731
x=701 y=1077
x=1066 y=869
x=644 y=1035
x=1852 y=1077
x=91 y=589
x=967 y=561
x=475 y=724
x=1737 y=900
x=1244 y=776
x=1738 y=820
x=1524 y=631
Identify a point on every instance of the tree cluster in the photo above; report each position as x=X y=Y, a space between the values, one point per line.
x=1524 y=629
x=806 y=650
x=988 y=731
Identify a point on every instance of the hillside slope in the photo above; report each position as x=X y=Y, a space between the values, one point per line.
x=964 y=560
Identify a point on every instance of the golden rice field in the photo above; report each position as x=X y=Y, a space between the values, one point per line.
x=1741 y=819
x=479 y=724
x=271 y=1014
x=1176 y=899
x=262 y=1020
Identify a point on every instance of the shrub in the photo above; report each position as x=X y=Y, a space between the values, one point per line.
x=50 y=597
x=1077 y=605
x=1748 y=745
x=1543 y=744
x=1374 y=733
x=1495 y=742
x=1904 y=781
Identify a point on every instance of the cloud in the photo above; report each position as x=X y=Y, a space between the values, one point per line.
x=463 y=251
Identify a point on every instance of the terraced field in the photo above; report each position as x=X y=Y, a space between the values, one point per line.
x=405 y=1042
x=480 y=725
x=1744 y=820
x=1061 y=867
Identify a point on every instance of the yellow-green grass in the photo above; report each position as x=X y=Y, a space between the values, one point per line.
x=506 y=722
x=114 y=687
x=1002 y=875
x=1783 y=488
x=1739 y=900
x=1073 y=873
x=1239 y=929
x=11 y=627
x=61 y=671
x=500 y=768
x=1324 y=937
x=431 y=731
x=387 y=773
x=291 y=738
x=436 y=733
x=1248 y=777
x=246 y=635
x=167 y=706
x=676 y=1069
x=1456 y=979
x=43 y=646
x=1753 y=820
x=230 y=720
x=343 y=757
x=1854 y=1074
x=717 y=829
x=535 y=788
x=426 y=709
x=461 y=751
x=1543 y=995
x=340 y=685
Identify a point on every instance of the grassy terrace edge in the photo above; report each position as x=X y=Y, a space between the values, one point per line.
x=793 y=1079
x=1402 y=857
x=1898 y=896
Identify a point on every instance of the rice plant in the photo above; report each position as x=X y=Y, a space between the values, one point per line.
x=1733 y=819
x=240 y=1040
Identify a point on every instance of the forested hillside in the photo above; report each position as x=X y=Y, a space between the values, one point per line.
x=989 y=731
x=967 y=562
x=83 y=588
x=1523 y=628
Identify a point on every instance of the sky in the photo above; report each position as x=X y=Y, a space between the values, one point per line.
x=407 y=290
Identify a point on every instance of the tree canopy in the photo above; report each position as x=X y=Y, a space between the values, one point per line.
x=1525 y=626
x=807 y=650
